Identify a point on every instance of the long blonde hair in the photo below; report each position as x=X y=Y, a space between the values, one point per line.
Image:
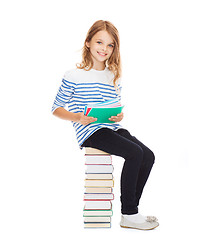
x=114 y=62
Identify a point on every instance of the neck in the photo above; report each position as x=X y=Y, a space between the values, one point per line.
x=99 y=66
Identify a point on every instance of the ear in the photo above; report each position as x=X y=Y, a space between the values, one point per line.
x=87 y=44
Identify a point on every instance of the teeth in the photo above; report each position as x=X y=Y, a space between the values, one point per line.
x=101 y=54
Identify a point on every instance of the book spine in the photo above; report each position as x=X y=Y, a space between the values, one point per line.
x=97 y=213
x=100 y=206
x=99 y=168
x=99 y=176
x=98 y=190
x=99 y=183
x=97 y=225
x=91 y=197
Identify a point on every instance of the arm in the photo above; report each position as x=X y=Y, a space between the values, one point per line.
x=63 y=96
x=75 y=117
x=62 y=113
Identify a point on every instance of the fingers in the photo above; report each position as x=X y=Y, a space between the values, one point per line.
x=117 y=118
x=90 y=120
x=87 y=120
x=113 y=118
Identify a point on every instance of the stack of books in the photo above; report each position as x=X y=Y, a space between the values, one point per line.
x=99 y=184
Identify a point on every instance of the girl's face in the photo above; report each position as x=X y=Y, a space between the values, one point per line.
x=101 y=47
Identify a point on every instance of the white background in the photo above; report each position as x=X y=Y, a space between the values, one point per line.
x=170 y=57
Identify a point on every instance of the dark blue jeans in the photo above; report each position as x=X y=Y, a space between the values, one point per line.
x=138 y=163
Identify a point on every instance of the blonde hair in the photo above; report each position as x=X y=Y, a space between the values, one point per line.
x=114 y=62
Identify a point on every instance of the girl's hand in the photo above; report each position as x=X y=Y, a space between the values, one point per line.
x=117 y=118
x=84 y=120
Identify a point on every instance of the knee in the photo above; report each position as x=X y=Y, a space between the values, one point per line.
x=152 y=157
x=135 y=152
x=149 y=157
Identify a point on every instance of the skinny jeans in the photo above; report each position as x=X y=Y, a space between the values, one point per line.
x=138 y=163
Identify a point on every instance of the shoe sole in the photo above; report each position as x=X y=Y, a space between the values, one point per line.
x=139 y=228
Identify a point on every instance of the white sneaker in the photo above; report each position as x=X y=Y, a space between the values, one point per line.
x=141 y=226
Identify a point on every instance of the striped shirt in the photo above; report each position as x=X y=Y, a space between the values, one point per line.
x=79 y=88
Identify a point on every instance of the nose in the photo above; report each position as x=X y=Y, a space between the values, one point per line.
x=104 y=47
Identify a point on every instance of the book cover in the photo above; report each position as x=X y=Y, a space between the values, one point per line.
x=103 y=114
x=103 y=111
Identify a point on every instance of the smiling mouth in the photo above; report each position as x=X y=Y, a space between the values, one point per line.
x=102 y=54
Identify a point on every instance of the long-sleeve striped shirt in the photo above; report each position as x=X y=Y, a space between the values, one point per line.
x=79 y=88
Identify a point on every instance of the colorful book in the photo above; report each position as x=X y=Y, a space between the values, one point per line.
x=103 y=111
x=99 y=184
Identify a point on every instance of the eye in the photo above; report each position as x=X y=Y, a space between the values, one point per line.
x=99 y=42
x=111 y=45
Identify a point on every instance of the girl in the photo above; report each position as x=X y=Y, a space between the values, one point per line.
x=94 y=80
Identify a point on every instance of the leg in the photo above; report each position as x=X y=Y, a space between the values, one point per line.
x=146 y=163
x=110 y=141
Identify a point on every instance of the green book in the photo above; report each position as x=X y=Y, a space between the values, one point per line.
x=103 y=114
